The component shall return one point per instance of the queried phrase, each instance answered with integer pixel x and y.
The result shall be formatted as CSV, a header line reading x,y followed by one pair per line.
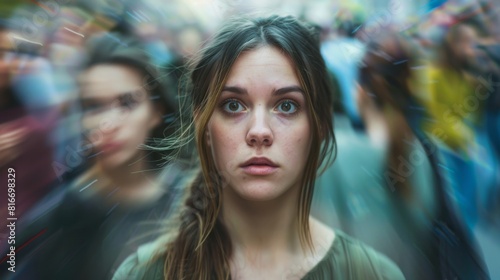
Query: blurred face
x,y
259,133
117,113
464,44
5,65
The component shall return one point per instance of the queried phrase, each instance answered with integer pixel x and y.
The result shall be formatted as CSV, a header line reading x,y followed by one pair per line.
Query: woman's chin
x,y
112,160
259,192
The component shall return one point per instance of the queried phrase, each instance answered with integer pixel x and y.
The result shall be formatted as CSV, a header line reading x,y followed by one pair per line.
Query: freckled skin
x,y
262,126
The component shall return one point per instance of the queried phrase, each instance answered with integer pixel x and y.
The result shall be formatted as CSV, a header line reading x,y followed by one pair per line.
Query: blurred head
x,y
350,20
386,72
188,40
124,102
457,49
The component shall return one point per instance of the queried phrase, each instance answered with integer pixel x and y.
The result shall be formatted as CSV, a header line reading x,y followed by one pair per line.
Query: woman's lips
x,y
259,170
110,147
259,166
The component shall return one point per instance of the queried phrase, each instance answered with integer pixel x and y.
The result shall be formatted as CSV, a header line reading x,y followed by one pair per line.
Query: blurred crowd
x,y
89,93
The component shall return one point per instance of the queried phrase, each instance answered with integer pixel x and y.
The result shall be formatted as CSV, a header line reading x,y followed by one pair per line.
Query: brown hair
x,y
387,75
202,248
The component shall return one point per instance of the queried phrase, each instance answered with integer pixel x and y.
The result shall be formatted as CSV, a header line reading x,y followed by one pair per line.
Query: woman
x,y
125,104
263,126
434,241
95,221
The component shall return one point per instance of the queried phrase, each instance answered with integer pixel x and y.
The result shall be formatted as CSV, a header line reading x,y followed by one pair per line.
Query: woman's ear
x,y
207,137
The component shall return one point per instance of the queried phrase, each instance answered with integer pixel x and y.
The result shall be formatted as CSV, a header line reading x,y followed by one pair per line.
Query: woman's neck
x,y
264,235
262,225
129,183
126,175
265,238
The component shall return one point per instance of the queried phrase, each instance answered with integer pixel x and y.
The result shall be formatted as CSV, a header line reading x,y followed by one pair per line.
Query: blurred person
x,y
150,27
492,123
450,83
87,227
342,55
151,32
72,26
68,38
262,108
416,199
28,113
434,24
456,108
487,71
490,10
33,27
480,14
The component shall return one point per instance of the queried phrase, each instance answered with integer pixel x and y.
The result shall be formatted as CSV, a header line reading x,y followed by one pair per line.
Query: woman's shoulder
x,y
349,258
366,260
142,264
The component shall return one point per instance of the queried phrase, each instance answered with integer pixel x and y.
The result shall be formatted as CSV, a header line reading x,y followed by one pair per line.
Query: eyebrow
x,y
93,99
285,90
124,94
280,91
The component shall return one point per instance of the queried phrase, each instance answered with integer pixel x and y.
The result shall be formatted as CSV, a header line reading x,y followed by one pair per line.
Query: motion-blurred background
x,y
85,86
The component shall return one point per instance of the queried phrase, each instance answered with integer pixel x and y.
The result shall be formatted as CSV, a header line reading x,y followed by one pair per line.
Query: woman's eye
x,y
91,108
287,107
233,106
127,101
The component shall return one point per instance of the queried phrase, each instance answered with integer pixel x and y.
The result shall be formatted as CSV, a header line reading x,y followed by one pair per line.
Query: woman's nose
x,y
259,131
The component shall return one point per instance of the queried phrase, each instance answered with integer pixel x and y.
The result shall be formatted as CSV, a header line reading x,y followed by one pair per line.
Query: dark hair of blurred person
x,y
127,190
422,213
390,85
347,28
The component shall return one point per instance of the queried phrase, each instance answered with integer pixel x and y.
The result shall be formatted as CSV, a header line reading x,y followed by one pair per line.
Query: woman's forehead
x,y
262,65
109,80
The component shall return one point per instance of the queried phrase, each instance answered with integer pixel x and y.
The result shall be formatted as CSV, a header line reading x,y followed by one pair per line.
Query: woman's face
x,y
463,44
259,133
117,113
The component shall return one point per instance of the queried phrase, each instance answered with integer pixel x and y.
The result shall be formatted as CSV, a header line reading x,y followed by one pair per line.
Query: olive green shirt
x,y
347,258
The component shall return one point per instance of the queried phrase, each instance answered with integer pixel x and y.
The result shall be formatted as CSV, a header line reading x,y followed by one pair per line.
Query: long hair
x,y
202,249
387,74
